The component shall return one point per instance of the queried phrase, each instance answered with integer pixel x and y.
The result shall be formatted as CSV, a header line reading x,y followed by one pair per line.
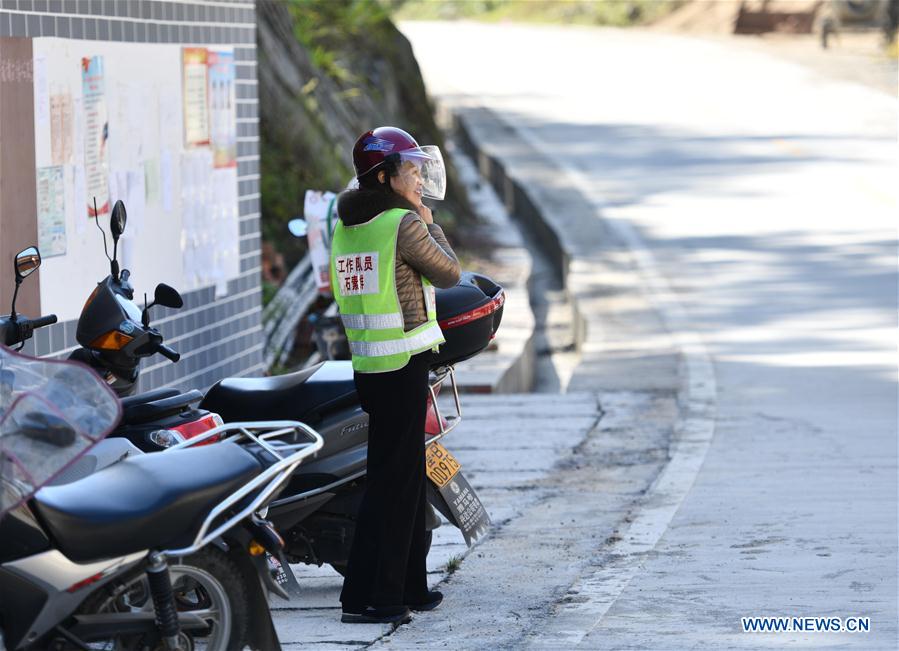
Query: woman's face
x,y
407,183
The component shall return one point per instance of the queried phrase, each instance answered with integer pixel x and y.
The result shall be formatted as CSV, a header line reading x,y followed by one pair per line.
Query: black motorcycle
x,y
152,552
316,513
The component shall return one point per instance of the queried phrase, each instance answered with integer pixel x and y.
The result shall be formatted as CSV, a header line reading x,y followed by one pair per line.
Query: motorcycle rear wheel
x,y
207,584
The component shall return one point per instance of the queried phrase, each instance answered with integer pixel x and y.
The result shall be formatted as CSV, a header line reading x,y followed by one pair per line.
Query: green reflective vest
x,y
363,279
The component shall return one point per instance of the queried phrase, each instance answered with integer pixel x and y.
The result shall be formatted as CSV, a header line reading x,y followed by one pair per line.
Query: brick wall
x,y
217,337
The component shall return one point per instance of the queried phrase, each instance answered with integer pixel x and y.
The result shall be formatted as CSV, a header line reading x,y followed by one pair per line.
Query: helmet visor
x,y
428,162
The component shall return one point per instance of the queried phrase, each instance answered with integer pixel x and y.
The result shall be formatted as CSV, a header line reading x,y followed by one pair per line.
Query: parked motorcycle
x,y
115,335
135,553
317,511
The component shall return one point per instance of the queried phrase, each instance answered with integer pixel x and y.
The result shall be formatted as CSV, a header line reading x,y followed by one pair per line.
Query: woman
x,y
387,255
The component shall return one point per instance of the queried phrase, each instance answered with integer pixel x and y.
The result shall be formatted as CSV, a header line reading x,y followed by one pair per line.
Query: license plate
x,y
440,465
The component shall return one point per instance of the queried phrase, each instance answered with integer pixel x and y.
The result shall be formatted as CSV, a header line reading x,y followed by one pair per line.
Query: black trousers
x,y
387,564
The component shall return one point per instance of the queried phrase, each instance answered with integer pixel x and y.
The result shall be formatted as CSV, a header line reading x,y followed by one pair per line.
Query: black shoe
x,y
430,601
376,615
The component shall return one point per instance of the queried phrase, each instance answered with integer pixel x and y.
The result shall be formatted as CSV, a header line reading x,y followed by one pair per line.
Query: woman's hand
x,y
425,213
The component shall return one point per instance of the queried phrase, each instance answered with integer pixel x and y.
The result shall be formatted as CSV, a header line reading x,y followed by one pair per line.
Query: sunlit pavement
x,y
765,193
505,444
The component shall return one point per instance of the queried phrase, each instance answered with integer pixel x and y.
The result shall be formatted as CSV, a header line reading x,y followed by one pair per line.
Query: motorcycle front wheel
x,y
207,584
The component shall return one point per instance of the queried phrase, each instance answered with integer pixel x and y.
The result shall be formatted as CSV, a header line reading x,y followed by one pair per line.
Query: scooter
x,y
115,335
134,553
317,511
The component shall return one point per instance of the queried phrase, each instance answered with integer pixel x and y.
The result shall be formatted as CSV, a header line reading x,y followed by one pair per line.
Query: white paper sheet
x,y
72,214
166,182
78,131
41,93
151,181
80,193
136,201
118,188
170,118
210,240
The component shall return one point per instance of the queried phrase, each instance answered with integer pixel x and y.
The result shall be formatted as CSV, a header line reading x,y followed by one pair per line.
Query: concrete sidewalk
x,y
506,445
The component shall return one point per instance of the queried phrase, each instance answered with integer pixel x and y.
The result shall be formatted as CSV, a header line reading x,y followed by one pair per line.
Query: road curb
x,y
518,202
509,367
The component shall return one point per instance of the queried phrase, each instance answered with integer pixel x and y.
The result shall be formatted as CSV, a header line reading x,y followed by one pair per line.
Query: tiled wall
x,y
217,337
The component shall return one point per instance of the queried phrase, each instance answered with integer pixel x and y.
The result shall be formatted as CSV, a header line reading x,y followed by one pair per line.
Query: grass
x,y
453,563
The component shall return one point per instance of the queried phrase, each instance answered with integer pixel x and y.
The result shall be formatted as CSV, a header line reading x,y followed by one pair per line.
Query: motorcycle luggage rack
x,y
441,374
288,456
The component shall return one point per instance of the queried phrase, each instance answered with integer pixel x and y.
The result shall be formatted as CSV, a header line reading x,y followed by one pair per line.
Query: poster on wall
x,y
195,75
96,135
222,108
51,211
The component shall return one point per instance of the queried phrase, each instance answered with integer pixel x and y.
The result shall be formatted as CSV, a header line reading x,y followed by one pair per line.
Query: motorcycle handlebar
x,y
169,353
16,332
40,322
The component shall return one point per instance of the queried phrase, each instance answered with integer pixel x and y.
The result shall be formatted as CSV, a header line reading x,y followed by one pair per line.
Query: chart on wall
x,y
96,136
223,117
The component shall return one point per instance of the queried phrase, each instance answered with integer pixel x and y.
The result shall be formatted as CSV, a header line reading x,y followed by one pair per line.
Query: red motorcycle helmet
x,y
389,144
373,147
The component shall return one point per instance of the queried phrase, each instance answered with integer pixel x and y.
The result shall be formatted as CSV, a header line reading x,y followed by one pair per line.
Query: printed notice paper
x,y
51,211
222,111
60,128
196,102
96,135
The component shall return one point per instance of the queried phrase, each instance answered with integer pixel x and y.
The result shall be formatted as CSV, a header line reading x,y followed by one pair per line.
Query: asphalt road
x,y
764,194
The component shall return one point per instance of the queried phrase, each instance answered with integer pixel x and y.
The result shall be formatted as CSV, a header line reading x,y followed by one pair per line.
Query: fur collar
x,y
356,207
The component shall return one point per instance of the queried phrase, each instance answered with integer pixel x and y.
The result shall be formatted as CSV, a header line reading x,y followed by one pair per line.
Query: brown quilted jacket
x,y
421,250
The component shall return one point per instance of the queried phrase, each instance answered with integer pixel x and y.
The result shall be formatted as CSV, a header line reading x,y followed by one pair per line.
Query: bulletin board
x,y
134,122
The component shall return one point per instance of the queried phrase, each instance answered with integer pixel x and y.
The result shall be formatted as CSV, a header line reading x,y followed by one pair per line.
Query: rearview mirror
x,y
167,296
297,227
117,219
164,295
27,261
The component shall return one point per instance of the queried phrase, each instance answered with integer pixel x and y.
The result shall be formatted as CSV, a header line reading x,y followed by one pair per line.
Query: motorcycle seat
x,y
148,396
156,407
305,395
149,501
